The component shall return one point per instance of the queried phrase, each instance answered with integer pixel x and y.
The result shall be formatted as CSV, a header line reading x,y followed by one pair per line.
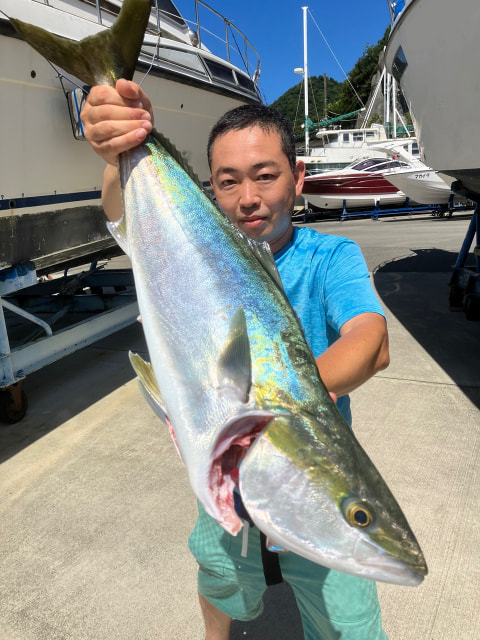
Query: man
x,y
255,177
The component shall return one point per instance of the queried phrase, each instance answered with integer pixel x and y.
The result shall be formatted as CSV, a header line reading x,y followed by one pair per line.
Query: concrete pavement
x,y
95,508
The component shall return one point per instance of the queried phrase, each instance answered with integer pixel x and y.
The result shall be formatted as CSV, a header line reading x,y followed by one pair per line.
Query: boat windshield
x,y
369,164
377,164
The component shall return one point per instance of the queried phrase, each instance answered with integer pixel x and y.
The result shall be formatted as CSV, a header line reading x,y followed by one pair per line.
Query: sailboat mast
x,y
305,76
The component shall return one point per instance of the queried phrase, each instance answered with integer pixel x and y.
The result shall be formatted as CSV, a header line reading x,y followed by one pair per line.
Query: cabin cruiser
x,y
50,180
335,149
362,184
436,69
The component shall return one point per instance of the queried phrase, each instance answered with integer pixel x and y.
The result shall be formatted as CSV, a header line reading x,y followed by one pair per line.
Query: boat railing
x,y
209,30
236,44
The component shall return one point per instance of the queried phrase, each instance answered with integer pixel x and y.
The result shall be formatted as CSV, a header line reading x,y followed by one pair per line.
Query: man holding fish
x,y
239,342
255,178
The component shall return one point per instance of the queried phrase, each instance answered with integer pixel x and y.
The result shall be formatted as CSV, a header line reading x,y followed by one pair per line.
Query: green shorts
x,y
332,604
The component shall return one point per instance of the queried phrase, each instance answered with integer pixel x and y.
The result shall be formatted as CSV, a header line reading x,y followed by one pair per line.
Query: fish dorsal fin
x,y
263,253
101,58
148,384
234,366
177,155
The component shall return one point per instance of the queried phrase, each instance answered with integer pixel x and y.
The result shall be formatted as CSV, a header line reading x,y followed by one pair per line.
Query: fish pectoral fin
x,y
151,392
118,231
234,366
148,385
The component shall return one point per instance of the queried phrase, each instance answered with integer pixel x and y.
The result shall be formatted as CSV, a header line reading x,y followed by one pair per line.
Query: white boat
x,y
420,183
361,185
50,180
424,185
335,149
433,52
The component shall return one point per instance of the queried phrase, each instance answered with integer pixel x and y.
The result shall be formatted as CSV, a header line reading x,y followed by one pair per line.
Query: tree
x,y
290,104
360,78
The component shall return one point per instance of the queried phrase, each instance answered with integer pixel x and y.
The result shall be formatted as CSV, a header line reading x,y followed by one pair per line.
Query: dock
x,y
96,509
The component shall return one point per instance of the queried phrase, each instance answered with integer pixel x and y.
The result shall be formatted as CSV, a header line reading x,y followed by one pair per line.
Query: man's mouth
x,y
252,222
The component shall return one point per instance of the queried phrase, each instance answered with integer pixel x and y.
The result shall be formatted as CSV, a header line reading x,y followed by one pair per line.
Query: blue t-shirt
x,y
327,282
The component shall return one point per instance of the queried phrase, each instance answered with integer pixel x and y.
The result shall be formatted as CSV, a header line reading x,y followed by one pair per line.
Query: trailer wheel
x,y
471,306
11,411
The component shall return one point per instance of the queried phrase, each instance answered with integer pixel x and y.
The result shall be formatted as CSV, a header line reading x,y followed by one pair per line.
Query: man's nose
x,y
249,194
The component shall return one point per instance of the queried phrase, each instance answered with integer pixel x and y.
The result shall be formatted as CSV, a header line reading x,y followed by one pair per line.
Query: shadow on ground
x,y
81,379
415,289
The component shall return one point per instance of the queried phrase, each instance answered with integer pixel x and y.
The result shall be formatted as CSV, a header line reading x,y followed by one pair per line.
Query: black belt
x,y
270,560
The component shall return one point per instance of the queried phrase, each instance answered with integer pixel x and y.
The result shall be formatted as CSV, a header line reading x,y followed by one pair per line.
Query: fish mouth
x,y
394,570
235,439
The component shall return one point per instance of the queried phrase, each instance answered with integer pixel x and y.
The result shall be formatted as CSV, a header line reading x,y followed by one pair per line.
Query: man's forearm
x,y
356,356
112,193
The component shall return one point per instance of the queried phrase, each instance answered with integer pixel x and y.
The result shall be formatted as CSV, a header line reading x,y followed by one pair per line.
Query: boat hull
x,y
356,191
439,83
424,186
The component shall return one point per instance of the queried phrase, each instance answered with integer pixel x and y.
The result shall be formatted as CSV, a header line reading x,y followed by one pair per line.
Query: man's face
x,y
254,184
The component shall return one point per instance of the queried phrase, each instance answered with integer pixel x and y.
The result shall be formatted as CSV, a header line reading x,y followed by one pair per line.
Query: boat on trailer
x,y
361,185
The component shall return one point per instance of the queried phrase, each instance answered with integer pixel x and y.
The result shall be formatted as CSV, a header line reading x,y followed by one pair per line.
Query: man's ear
x,y
299,175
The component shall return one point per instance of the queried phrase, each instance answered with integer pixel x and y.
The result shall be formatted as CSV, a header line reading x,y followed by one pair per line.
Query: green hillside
x,y
341,98
291,103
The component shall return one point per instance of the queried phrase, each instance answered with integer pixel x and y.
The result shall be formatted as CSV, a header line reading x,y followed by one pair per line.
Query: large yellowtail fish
x,y
229,362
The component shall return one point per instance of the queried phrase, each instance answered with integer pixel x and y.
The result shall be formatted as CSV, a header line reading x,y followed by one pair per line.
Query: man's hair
x,y
255,115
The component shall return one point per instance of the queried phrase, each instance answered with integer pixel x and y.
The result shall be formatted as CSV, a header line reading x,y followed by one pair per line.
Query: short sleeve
x,y
347,290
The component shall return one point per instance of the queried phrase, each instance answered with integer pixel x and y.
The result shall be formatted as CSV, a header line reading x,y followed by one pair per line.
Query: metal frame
x,y
120,310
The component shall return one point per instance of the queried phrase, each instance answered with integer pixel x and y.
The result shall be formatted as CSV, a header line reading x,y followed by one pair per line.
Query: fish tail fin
x,y
98,59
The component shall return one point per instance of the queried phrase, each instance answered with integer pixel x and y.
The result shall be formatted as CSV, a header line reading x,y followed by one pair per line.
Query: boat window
x,y
244,81
175,56
171,10
105,5
415,149
399,64
370,134
220,71
333,137
346,137
358,137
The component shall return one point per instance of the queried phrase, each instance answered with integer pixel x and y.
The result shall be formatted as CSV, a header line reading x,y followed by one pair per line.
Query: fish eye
x,y
358,515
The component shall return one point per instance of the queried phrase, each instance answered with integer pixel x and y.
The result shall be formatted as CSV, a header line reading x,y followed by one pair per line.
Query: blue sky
x,y
275,28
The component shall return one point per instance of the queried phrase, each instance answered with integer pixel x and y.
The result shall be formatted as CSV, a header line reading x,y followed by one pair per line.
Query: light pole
x,y
304,72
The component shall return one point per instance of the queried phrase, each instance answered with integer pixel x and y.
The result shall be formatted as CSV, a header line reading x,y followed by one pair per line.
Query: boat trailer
x,y
43,319
465,281
439,210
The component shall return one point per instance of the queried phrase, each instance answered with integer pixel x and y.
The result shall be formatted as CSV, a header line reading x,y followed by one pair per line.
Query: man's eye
x,y
227,183
266,176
